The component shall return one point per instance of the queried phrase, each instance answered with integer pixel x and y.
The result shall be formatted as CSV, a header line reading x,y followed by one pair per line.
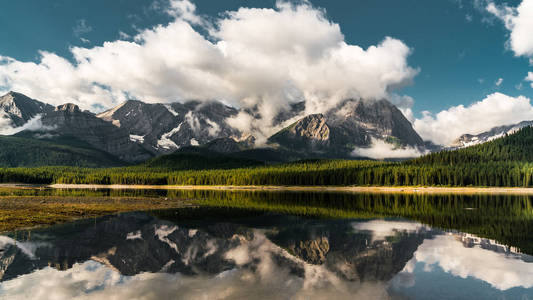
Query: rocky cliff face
x,y
19,109
69,120
373,119
467,140
163,128
354,123
136,130
134,243
311,133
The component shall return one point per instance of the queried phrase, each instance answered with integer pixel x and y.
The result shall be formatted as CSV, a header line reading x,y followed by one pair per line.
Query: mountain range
x,y
134,131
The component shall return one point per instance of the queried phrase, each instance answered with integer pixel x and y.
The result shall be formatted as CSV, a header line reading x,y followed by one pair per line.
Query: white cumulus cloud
x,y
529,78
519,21
252,57
497,269
495,110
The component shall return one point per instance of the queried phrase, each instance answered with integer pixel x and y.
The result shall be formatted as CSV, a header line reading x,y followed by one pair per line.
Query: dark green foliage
x,y
517,147
196,158
20,152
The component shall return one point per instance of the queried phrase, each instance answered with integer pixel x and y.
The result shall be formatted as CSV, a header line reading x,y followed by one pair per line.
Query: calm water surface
x,y
279,245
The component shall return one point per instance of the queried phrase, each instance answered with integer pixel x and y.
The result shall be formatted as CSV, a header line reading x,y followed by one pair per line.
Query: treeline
x,y
516,147
505,218
333,172
507,161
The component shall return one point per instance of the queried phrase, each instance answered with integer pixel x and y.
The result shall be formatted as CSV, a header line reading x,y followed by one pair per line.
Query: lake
x,y
280,245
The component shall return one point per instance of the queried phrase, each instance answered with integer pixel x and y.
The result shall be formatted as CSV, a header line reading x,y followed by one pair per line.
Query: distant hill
x,y
467,140
514,147
19,151
197,158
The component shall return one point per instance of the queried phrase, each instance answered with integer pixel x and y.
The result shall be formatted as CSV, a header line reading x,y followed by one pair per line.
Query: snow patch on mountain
x,y
165,142
171,110
162,233
137,138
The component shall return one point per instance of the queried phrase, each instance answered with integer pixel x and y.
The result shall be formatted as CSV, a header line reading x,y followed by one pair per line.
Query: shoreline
x,y
348,189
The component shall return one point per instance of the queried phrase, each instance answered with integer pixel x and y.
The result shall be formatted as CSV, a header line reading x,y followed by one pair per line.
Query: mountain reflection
x,y
244,255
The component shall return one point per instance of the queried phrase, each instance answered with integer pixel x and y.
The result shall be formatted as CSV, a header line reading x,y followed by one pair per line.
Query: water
x,y
279,245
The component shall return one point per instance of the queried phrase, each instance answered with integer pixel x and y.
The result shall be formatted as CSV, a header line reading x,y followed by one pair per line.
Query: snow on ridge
x,y
137,138
134,235
171,110
165,142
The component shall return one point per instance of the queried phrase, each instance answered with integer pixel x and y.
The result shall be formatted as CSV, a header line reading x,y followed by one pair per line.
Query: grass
x,y
32,211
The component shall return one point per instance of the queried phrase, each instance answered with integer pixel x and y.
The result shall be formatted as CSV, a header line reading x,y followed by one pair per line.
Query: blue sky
x,y
453,52
460,49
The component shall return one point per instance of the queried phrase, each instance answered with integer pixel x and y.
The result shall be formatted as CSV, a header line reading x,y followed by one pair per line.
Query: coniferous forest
x,y
506,161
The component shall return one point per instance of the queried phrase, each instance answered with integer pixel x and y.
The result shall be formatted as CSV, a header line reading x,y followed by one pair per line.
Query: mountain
x,y
18,109
68,120
193,242
18,151
163,128
136,131
467,140
353,123
310,133
516,147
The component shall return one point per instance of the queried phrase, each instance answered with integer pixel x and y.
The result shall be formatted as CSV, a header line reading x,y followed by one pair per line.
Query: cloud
x,y
260,269
380,150
497,269
529,78
262,58
495,110
382,229
81,28
34,124
519,21
499,82
185,10
124,36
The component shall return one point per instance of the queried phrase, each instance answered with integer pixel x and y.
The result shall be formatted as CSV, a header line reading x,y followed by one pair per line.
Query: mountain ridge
x,y
135,131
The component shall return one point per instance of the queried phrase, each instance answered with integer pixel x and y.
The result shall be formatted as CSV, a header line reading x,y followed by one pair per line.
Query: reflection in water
x,y
220,253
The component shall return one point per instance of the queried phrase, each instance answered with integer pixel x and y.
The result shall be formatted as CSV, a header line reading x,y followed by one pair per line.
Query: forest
x,y
507,161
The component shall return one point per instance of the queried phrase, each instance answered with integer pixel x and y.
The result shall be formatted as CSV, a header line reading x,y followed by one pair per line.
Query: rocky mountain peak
x,y
19,108
68,107
313,127
311,133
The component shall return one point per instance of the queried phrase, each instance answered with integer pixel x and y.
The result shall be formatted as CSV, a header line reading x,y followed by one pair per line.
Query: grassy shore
x,y
18,212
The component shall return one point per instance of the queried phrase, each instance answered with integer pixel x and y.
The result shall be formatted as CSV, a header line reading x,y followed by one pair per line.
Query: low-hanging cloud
x,y
33,124
495,110
380,149
252,57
